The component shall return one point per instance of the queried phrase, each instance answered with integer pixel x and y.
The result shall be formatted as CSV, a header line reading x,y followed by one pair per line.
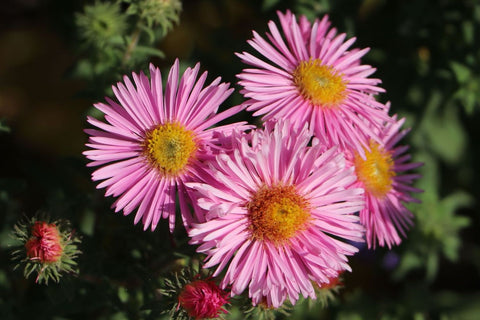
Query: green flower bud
x,y
102,24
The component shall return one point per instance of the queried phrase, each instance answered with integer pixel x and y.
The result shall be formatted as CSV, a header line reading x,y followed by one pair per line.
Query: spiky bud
x,y
202,299
101,24
162,13
46,249
193,295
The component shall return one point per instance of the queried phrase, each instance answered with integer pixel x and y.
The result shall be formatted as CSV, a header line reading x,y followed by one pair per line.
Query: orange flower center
x,y
376,171
320,84
277,213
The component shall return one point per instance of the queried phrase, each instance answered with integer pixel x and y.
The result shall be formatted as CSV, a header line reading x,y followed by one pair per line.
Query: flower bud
x,y
47,249
45,243
203,299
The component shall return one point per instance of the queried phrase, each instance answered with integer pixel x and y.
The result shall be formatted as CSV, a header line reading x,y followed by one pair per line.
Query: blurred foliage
x,y
116,36
57,58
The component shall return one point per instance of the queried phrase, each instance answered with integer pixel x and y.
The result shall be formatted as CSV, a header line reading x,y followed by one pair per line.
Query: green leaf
x,y
269,4
457,200
149,51
123,294
432,266
149,31
409,261
468,32
446,134
462,72
4,127
87,224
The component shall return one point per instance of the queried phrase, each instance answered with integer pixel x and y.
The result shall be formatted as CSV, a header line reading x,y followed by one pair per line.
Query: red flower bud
x,y
203,299
45,243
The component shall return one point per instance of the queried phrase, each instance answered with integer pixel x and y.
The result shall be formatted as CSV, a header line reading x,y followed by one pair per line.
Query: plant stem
x,y
131,46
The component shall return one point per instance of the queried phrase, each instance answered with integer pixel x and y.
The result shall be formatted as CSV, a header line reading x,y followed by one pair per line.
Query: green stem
x,y
131,46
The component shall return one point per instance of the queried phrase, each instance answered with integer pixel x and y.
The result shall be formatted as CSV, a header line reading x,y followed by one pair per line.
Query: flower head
x,y
386,187
152,142
309,76
47,248
279,212
203,299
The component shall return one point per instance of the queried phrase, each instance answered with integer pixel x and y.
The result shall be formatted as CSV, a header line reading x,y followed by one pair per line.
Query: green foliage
x,y
3,127
163,13
268,4
102,24
441,131
119,36
263,312
313,8
438,227
468,93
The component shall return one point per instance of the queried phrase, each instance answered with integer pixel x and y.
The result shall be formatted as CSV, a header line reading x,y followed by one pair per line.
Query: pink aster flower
x,y
308,75
280,215
387,187
152,142
203,299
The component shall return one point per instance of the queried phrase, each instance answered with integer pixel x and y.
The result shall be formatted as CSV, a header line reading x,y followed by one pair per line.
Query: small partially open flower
x,y
203,299
327,293
193,294
334,282
47,249
45,243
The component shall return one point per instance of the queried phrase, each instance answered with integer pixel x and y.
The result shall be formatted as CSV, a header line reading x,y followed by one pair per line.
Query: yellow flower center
x,y
277,213
320,84
376,171
169,147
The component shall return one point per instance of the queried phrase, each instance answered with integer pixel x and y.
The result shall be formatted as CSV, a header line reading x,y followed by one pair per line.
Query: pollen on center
x,y
169,148
277,213
322,85
376,170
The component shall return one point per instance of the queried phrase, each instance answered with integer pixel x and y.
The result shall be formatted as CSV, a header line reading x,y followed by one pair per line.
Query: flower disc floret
x,y
170,147
277,213
376,171
322,85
